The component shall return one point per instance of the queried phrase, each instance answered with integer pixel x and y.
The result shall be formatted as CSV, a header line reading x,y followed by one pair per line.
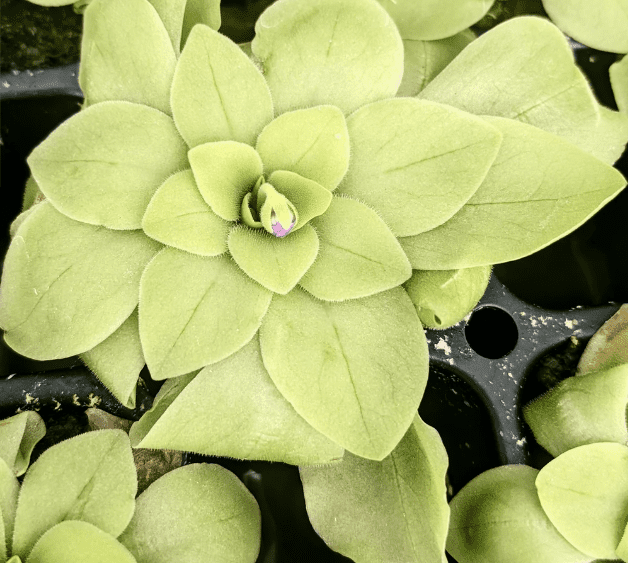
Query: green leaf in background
x,y
9,490
417,162
32,194
435,19
195,311
76,541
206,12
619,81
178,216
217,92
497,518
19,434
50,257
120,63
602,25
394,510
443,298
423,60
581,410
355,370
622,548
584,492
358,255
90,477
238,388
171,14
608,140
609,345
197,513
104,164
342,52
118,360
539,189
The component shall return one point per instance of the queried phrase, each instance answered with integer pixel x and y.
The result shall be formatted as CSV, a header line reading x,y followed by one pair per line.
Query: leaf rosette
x,y
242,219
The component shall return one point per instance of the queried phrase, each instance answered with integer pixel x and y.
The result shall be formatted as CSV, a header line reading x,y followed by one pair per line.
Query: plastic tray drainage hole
x,y
491,332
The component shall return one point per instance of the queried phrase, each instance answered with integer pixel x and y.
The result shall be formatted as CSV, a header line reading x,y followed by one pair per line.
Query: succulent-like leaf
x,y
118,63
217,92
196,513
348,502
196,311
206,12
609,345
539,189
619,81
497,517
355,370
118,360
90,477
417,162
237,388
178,216
19,434
341,52
311,142
584,492
9,490
44,314
104,164
358,255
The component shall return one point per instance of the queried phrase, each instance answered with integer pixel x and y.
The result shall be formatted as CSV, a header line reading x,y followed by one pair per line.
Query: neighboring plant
x,y
77,503
619,81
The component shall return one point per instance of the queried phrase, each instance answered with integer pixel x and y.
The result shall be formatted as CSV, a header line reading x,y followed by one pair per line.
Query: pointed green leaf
x,y
126,54
206,12
178,216
584,492
246,420
225,172
66,286
308,197
197,513
196,311
539,189
276,263
417,162
348,501
619,81
355,371
506,62
358,255
311,142
104,164
78,541
19,434
171,14
608,347
118,360
217,92
9,490
497,517
90,477
342,52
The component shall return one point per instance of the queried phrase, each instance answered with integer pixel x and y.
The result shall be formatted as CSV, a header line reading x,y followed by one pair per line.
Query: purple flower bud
x,y
278,229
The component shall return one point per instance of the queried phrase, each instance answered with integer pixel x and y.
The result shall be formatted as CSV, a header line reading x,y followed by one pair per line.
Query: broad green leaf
x,y
206,12
196,311
118,360
506,62
358,255
171,14
197,513
276,263
435,19
311,142
602,25
341,52
619,81
19,434
609,345
242,415
90,477
225,172
539,189
126,54
178,216
217,92
104,164
443,298
417,162
584,492
66,286
497,518
349,502
581,410
9,490
76,541
423,60
355,371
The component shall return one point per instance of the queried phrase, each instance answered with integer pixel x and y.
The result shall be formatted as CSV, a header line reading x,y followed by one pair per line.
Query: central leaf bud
x,y
264,207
